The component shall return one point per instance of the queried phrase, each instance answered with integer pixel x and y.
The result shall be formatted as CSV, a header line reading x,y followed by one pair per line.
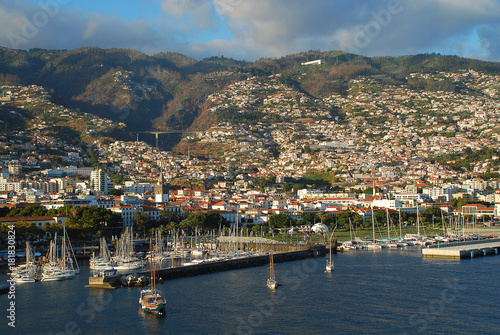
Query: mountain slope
x,y
169,91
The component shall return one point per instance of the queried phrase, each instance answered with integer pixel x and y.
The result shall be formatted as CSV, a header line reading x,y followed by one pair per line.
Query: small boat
x,y
271,281
329,262
127,265
25,273
197,252
103,261
54,275
152,299
103,279
23,278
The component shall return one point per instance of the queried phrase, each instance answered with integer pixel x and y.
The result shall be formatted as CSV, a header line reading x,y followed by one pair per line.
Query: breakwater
x,y
237,263
464,250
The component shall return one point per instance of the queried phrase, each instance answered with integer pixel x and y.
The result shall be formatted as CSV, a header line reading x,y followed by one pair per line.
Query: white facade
x,y
99,181
127,213
314,62
386,203
307,192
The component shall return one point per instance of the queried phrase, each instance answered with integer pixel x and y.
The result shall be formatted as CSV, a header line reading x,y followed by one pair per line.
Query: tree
x,y
325,219
205,220
457,203
430,212
279,221
27,231
256,229
115,192
369,190
142,222
307,218
167,216
343,218
33,210
381,217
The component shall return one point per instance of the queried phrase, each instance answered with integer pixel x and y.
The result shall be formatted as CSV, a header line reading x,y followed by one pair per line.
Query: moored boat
x,y
25,273
271,281
152,299
329,262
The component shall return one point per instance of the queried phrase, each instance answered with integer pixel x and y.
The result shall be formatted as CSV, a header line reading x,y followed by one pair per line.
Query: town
x,y
383,149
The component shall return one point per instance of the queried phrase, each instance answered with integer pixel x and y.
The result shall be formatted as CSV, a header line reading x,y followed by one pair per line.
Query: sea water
x,y
369,292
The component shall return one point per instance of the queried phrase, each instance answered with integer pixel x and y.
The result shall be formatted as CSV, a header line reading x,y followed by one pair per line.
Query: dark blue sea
x,y
369,292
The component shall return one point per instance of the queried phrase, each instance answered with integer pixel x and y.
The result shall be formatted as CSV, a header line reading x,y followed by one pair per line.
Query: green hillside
x,y
168,91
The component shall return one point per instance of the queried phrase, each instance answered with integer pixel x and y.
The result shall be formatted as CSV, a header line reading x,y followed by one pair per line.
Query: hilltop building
x,y
313,62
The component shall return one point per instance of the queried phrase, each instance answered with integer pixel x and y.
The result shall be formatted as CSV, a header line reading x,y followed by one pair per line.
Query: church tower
x,y
161,190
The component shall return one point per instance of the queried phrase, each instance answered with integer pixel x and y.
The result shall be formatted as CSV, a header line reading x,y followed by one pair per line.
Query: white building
x,y
99,181
127,213
313,62
387,203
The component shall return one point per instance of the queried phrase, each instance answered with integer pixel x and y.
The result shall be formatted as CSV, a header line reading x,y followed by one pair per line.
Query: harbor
x,y
463,250
205,267
238,263
361,291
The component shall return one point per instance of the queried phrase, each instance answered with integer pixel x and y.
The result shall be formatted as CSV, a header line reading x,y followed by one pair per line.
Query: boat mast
x,y
400,232
63,256
388,225
271,265
350,229
373,224
418,221
373,217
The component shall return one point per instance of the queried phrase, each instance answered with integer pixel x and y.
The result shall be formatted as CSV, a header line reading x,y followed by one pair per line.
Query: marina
x,y
390,291
463,250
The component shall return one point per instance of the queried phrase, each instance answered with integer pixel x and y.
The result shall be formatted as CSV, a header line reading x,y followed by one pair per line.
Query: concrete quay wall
x,y
237,263
464,250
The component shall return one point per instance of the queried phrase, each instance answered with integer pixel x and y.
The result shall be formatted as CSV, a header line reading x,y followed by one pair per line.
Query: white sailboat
x,y
329,263
103,261
66,266
124,261
271,281
159,252
68,256
25,273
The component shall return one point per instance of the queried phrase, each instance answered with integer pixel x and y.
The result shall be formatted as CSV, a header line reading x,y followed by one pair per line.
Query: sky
x,y
253,29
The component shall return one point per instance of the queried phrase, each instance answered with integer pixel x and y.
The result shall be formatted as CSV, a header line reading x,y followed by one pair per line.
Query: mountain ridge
x,y
168,91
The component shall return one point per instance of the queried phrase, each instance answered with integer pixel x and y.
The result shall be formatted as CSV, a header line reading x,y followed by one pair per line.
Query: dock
x,y
463,250
236,263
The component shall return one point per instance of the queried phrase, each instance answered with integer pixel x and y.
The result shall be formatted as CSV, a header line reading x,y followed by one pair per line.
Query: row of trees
x,y
344,220
87,223
198,221
82,224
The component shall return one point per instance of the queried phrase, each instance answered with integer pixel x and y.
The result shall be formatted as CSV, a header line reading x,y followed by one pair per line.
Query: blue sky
x,y
251,29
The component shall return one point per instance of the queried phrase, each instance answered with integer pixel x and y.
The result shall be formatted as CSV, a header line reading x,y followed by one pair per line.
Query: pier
x,y
463,250
237,263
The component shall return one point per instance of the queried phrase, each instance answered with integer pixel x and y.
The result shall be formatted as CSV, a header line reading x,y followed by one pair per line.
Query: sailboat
x,y
271,281
25,273
124,261
152,299
159,250
60,268
103,261
329,262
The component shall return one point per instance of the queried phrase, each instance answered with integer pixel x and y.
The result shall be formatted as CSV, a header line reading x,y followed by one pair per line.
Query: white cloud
x,y
199,14
269,28
27,26
370,27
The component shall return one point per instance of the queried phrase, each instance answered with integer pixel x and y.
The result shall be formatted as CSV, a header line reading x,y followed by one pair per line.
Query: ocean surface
x,y
369,292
